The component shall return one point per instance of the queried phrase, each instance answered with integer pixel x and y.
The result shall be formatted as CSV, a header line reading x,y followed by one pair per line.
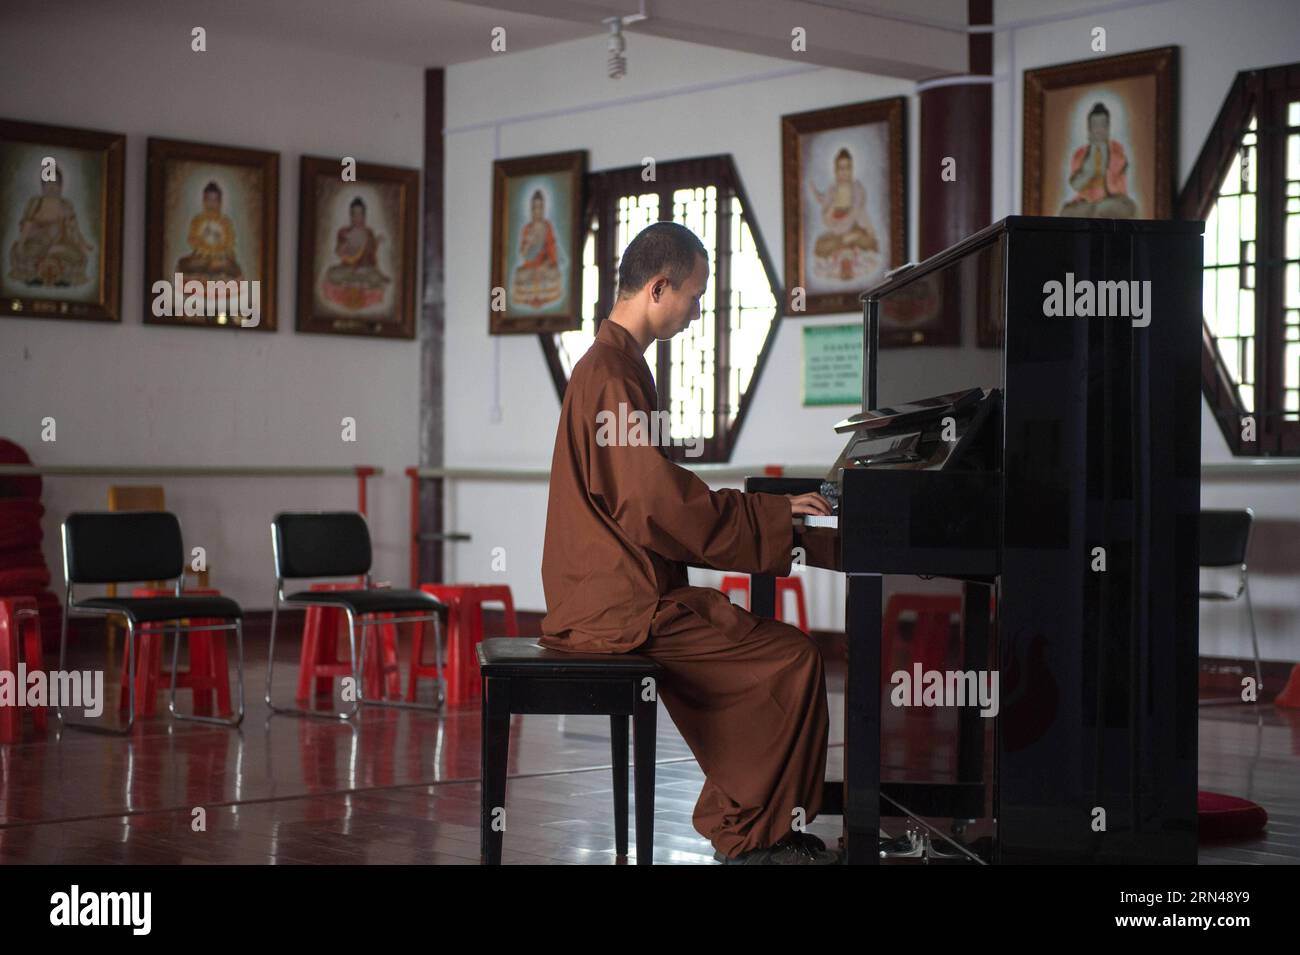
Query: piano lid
x,y
988,234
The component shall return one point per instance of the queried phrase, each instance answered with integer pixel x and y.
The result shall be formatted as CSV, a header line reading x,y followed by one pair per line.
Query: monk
x,y
623,522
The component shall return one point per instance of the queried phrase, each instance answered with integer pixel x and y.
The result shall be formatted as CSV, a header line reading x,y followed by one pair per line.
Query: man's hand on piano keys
x,y
811,503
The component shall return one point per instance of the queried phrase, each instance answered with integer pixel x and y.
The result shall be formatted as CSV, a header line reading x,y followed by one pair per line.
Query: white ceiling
x,y
416,32
905,38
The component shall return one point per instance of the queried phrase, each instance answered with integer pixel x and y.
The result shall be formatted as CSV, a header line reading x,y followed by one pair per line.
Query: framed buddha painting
x,y
1099,137
60,222
537,236
845,203
211,228
357,248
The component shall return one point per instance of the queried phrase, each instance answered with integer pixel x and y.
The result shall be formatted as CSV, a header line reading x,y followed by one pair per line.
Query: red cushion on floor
x,y
1228,817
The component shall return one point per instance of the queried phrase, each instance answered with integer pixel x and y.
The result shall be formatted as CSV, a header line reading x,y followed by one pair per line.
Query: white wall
x,y
130,394
675,120
1216,40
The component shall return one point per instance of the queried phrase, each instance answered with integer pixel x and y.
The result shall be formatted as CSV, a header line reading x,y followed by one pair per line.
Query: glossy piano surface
x,y
1082,510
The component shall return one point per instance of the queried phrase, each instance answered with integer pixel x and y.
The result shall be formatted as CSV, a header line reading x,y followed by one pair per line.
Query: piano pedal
x,y
943,851
935,850
916,844
910,845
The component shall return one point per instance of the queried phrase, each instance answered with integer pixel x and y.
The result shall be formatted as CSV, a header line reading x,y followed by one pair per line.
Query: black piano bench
x,y
519,676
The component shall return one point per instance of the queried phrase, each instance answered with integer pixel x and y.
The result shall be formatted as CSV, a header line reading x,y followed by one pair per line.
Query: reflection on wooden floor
x,y
401,786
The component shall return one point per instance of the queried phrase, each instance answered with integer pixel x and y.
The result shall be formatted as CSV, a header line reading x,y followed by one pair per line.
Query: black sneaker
x,y
798,848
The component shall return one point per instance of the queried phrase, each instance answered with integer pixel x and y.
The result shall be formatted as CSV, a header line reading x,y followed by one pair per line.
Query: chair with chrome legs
x,y
337,544
125,546
1224,540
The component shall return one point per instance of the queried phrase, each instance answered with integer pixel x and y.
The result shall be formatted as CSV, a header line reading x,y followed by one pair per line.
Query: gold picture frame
x,y
1130,102
537,239
61,221
828,156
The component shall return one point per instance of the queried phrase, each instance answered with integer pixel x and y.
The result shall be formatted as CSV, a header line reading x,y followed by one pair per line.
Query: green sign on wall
x,y
832,364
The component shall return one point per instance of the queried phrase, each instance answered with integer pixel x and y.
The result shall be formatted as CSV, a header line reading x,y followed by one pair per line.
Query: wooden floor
x,y
401,786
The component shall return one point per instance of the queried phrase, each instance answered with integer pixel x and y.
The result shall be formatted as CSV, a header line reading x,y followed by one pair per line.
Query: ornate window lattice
x,y
1231,250
705,374
1246,185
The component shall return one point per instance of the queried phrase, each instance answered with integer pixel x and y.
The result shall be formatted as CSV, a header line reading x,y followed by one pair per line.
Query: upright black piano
x,y
1049,464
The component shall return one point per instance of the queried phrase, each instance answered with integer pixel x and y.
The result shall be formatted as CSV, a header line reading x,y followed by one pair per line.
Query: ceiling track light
x,y
616,62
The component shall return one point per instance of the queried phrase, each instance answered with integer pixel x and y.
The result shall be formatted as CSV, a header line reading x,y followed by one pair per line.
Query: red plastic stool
x,y
20,641
208,673
1290,695
464,633
784,585
320,660
930,634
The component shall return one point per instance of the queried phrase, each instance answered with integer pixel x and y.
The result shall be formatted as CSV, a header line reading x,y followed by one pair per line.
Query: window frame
x,y
1263,94
603,190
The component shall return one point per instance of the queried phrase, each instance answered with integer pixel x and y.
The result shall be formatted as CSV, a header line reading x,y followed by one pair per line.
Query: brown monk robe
x,y
748,694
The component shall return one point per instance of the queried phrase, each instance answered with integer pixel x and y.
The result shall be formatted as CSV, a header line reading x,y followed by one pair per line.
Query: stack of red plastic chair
x,y
321,660
20,645
784,585
23,571
464,633
1290,695
209,672
930,636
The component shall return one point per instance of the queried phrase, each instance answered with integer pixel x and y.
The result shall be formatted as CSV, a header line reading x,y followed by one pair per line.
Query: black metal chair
x,y
1224,540
337,544
125,546
519,676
